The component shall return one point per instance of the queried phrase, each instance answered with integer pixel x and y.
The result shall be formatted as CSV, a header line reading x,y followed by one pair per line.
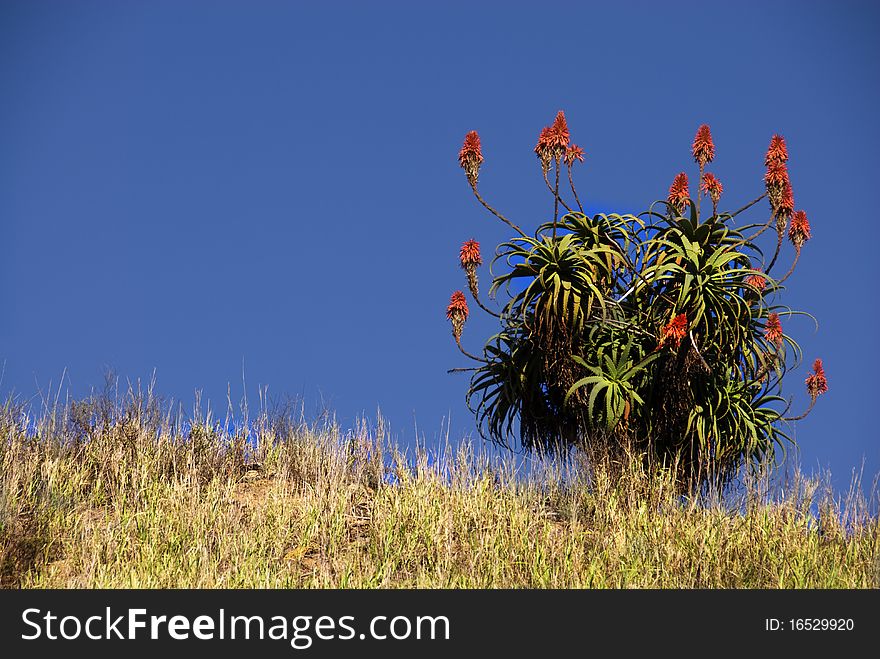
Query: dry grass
x,y
108,496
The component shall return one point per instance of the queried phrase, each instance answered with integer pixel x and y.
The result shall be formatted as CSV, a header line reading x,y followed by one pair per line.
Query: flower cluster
x,y
777,151
679,194
470,260
757,282
799,232
457,313
674,331
703,148
777,182
817,383
776,178
773,330
471,156
572,153
785,208
712,187
553,142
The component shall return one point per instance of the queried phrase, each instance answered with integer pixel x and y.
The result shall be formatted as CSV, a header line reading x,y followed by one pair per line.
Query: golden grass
x,y
131,500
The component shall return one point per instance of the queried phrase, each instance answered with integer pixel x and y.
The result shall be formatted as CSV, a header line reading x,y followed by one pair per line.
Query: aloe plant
x,y
659,329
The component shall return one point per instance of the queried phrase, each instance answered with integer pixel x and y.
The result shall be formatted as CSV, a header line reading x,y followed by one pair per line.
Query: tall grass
x,y
110,494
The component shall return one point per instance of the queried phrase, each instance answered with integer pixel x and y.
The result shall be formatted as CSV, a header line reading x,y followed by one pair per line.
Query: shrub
x,y
661,329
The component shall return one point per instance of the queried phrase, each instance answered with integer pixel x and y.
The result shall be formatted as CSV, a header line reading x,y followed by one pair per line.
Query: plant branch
x,y
484,307
755,235
496,213
556,199
775,255
798,418
573,191
793,264
559,199
699,195
467,354
747,206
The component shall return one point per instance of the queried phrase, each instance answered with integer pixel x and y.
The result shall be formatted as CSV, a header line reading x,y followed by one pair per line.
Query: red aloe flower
x,y
712,186
470,259
544,148
816,382
756,281
470,254
777,175
544,139
777,152
457,312
560,137
553,141
674,331
776,180
773,330
679,195
786,206
799,232
471,156
703,148
572,153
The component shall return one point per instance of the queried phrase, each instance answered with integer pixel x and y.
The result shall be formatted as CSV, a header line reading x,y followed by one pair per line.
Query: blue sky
x,y
190,187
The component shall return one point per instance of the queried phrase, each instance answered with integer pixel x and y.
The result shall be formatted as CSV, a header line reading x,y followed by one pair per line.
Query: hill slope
x,y
95,496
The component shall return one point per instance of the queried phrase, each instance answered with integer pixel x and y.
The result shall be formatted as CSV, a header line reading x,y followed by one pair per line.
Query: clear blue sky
x,y
190,186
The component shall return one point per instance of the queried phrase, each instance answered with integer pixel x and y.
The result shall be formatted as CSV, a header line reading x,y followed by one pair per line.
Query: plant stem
x,y
798,418
748,206
699,183
797,255
573,191
496,213
775,255
467,354
755,235
481,305
556,199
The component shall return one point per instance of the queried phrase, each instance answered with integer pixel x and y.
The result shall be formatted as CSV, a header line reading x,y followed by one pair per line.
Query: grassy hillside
x,y
100,495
